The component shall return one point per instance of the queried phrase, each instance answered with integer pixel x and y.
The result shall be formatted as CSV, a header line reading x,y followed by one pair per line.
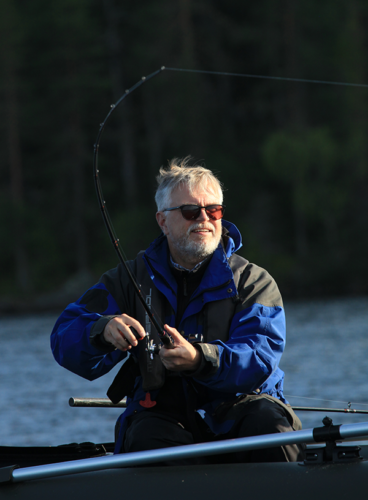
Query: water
x,y
325,358
35,390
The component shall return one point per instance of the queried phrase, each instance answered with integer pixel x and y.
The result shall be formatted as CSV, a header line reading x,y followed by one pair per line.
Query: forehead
x,y
200,195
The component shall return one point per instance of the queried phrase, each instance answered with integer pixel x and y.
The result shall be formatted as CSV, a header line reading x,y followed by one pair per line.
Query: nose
x,y
203,215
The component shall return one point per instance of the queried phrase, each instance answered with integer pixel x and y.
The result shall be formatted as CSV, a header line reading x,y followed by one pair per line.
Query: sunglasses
x,y
192,212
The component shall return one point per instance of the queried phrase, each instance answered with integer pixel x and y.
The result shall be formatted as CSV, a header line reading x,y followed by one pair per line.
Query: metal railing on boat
x,y
180,452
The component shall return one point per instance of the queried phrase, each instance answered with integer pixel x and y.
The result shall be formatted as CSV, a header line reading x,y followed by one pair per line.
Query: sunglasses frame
x,y
199,210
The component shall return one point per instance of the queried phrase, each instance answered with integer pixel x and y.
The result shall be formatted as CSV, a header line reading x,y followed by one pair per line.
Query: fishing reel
x,y
153,348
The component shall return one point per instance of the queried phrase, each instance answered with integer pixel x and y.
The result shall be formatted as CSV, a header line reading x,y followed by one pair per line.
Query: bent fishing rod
x,y
164,337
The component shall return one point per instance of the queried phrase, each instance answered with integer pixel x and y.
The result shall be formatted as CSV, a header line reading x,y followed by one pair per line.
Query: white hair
x,y
181,173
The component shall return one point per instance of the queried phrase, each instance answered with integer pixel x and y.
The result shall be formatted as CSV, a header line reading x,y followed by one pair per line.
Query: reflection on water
x,y
325,358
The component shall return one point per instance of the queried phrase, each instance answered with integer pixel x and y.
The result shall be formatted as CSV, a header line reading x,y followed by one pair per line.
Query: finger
x,y
118,338
168,353
168,357
124,326
115,339
173,332
119,333
132,322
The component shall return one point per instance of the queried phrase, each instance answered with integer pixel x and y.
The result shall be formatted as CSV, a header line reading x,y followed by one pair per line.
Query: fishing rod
x,y
106,403
163,335
331,410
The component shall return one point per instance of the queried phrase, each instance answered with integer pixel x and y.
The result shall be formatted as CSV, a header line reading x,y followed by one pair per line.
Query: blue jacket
x,y
246,360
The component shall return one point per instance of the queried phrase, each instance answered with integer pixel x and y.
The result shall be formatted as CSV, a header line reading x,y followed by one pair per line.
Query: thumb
x,y
173,332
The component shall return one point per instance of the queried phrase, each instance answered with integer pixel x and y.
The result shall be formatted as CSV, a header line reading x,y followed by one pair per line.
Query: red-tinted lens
x,y
215,212
192,212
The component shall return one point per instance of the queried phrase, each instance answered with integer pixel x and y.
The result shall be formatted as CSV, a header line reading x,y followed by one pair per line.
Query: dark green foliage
x,y
293,157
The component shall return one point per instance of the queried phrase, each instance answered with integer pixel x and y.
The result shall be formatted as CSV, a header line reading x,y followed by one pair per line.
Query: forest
x,y
293,156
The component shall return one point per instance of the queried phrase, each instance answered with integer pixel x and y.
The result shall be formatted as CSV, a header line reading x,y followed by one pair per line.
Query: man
x,y
221,378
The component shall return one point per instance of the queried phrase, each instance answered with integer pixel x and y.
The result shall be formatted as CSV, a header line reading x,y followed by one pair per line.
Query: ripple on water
x,y
325,356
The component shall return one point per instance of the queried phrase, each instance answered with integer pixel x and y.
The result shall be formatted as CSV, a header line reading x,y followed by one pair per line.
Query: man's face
x,y
191,241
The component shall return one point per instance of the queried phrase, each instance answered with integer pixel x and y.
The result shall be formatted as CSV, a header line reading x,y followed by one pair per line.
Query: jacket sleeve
x,y
84,319
249,359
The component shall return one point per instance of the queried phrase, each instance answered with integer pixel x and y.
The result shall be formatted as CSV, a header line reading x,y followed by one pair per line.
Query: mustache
x,y
200,225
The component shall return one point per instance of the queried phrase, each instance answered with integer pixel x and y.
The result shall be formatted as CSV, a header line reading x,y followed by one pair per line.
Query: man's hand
x,y
183,356
118,333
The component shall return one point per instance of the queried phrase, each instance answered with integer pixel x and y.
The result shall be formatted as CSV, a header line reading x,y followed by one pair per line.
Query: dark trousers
x,y
149,430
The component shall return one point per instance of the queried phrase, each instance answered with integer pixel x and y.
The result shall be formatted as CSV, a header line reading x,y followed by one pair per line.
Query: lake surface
x,y
325,364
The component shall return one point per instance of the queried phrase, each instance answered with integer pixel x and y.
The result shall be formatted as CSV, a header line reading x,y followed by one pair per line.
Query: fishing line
x,y
264,77
155,319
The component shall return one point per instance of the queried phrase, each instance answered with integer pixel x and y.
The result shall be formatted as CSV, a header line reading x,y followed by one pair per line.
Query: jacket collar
x,y
231,237
217,273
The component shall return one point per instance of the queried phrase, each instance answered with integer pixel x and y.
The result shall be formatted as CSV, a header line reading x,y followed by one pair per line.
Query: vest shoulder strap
x,y
219,314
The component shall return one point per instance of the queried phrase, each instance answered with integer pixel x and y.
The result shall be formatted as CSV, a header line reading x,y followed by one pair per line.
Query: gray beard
x,y
193,251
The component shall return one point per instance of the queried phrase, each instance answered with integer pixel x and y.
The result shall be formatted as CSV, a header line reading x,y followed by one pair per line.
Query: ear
x,y
161,221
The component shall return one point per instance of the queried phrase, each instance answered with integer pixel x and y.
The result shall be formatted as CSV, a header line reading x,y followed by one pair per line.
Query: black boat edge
x,y
342,473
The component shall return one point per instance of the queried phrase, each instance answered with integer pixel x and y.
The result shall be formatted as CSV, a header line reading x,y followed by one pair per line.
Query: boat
x,y
332,469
